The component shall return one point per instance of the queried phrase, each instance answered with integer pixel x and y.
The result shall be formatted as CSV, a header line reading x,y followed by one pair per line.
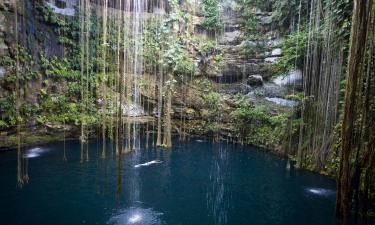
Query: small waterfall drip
x,y
219,196
22,162
121,72
137,72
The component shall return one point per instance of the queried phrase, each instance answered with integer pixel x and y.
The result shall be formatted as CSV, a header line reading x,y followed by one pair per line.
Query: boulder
x,y
255,80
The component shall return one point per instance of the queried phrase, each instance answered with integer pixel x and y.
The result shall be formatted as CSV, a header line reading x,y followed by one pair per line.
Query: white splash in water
x,y
135,215
34,152
148,163
320,191
135,218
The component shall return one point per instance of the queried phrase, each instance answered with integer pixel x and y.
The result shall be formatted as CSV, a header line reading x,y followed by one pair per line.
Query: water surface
x,y
195,183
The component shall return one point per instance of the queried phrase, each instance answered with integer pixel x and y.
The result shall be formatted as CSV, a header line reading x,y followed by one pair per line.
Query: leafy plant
x,y
211,11
294,50
255,126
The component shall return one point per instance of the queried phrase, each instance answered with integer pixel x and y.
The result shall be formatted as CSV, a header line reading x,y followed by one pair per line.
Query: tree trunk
x,y
360,22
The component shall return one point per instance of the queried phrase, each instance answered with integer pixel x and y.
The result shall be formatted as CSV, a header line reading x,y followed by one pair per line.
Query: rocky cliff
x,y
235,68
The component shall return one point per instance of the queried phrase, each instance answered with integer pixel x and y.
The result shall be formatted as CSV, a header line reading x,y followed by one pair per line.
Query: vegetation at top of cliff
x,y
288,13
211,12
250,21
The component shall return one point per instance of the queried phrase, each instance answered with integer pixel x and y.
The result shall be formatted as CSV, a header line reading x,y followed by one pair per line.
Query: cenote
x,y
195,182
122,112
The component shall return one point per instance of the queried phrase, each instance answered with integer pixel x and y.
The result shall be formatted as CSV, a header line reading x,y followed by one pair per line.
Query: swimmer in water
x,y
149,163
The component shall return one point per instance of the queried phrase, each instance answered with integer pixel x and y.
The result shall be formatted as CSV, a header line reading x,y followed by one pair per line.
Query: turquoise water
x,y
195,183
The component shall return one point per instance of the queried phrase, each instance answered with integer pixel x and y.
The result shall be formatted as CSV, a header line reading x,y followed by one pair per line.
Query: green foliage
x,y
341,12
287,11
211,12
58,68
251,47
66,29
7,111
60,109
219,57
212,114
152,43
212,99
176,59
205,47
294,51
26,71
45,14
250,20
251,44
263,5
256,126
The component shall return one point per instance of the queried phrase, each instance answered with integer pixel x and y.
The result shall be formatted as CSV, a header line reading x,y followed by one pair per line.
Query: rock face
x,y
63,7
241,57
255,80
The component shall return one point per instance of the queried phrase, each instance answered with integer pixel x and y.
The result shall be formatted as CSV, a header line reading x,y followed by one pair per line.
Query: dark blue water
x,y
197,183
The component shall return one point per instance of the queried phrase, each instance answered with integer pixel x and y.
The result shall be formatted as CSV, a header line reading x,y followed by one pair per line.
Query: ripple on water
x,y
136,216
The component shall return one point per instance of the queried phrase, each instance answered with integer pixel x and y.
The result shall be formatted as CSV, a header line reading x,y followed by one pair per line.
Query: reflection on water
x,y
218,194
136,216
193,183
